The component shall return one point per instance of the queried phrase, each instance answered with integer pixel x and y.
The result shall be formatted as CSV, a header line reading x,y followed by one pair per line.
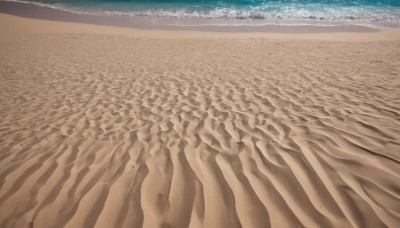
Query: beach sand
x,y
117,127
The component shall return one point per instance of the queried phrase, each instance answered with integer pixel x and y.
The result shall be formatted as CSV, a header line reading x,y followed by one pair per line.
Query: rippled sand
x,y
117,131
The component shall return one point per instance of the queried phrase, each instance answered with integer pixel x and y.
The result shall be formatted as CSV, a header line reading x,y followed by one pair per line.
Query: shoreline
x,y
11,25
33,11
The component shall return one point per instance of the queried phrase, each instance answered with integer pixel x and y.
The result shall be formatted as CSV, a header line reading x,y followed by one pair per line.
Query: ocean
x,y
372,13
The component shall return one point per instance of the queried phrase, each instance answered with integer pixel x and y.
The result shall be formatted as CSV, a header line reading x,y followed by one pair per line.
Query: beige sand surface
x,y
112,127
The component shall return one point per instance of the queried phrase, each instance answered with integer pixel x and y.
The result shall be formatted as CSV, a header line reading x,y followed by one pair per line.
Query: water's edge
x,y
29,10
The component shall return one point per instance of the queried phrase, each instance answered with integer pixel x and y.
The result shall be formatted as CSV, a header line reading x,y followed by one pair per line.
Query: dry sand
x,y
111,127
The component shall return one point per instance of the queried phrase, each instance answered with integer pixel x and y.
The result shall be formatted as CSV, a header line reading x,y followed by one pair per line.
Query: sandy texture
x,y
125,131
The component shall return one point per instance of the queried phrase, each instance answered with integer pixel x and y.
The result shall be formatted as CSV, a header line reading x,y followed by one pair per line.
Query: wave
x,y
252,15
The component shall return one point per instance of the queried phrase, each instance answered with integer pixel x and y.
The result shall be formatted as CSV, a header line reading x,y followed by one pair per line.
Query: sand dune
x,y
116,131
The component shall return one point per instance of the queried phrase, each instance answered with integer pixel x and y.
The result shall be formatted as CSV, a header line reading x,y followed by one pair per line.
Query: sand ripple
x,y
115,131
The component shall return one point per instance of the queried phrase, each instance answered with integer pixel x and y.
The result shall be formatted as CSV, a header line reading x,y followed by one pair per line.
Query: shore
x,y
105,126
150,23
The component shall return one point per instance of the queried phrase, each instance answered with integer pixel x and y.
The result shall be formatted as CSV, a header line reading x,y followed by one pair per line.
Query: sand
x,y
114,127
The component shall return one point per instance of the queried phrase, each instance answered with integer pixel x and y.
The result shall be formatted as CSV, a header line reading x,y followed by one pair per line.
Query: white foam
x,y
251,16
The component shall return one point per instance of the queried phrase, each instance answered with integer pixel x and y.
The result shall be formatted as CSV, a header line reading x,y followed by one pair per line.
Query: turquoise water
x,y
378,13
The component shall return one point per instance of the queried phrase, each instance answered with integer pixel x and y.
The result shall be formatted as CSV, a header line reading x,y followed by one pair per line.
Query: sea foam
x,y
385,13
